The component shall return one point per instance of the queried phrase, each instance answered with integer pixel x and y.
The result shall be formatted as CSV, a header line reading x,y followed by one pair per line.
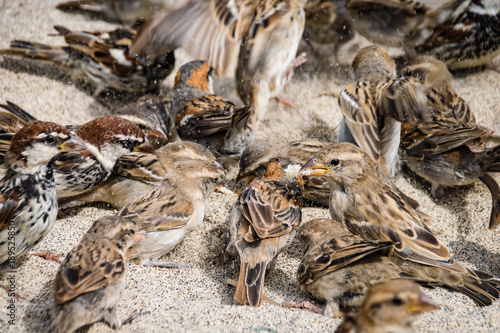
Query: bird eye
x,y
397,301
131,231
50,138
335,162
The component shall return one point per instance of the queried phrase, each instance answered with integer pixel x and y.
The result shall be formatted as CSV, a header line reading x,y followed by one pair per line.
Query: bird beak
x,y
157,137
313,168
423,304
74,143
145,147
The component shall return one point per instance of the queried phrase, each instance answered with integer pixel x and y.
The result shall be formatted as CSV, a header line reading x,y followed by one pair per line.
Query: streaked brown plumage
x,y
371,209
262,224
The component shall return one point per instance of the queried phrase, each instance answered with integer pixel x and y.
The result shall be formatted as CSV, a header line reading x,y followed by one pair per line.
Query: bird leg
x,y
304,305
299,60
47,255
283,101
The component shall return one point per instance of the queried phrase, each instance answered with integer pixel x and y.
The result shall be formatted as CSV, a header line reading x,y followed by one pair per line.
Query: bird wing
x,y
84,271
140,166
266,207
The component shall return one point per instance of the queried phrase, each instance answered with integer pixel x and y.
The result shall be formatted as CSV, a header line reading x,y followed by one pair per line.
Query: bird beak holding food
x,y
313,168
423,304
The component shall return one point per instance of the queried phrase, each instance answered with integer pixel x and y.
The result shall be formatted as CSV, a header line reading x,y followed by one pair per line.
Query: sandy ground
x,y
199,298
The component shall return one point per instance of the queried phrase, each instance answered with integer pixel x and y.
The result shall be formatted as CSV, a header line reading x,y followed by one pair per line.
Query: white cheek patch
x,y
39,153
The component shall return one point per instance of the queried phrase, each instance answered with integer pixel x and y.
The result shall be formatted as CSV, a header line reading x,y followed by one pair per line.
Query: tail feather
x,y
250,284
77,4
483,290
37,51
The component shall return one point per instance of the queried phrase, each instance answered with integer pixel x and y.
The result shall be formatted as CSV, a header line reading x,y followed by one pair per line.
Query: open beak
x,y
423,304
313,168
145,147
74,143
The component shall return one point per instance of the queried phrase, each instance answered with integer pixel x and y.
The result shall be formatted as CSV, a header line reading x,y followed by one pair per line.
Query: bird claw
x,y
287,102
134,315
298,61
304,305
47,255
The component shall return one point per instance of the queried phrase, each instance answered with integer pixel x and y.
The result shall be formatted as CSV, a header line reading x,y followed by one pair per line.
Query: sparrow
x,y
398,23
173,209
263,223
123,11
370,117
138,173
389,307
28,204
260,151
256,38
371,209
101,58
448,149
90,282
469,38
338,267
327,22
205,117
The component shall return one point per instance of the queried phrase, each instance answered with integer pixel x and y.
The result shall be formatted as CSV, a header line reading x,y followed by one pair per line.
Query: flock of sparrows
x,y
156,161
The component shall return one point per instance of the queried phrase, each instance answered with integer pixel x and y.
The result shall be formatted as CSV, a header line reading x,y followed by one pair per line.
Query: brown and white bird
x,y
258,38
123,11
373,210
449,148
371,120
389,307
28,203
205,117
101,58
91,280
469,38
138,173
260,151
338,267
262,224
170,211
398,23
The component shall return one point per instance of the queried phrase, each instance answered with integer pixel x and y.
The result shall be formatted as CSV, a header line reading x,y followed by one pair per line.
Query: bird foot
x,y
283,101
165,264
298,61
134,315
11,293
47,255
304,305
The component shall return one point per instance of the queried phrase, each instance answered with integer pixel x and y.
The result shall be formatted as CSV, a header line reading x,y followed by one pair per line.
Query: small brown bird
x,y
372,109
398,23
469,38
170,211
91,280
101,58
262,224
260,151
205,117
258,39
448,149
371,209
123,11
139,173
28,203
389,307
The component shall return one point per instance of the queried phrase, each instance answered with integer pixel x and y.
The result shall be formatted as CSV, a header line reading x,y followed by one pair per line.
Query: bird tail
x,y
481,287
250,284
36,51
93,5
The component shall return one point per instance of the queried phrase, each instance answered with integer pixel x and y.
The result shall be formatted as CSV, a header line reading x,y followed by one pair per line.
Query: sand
x,y
199,298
